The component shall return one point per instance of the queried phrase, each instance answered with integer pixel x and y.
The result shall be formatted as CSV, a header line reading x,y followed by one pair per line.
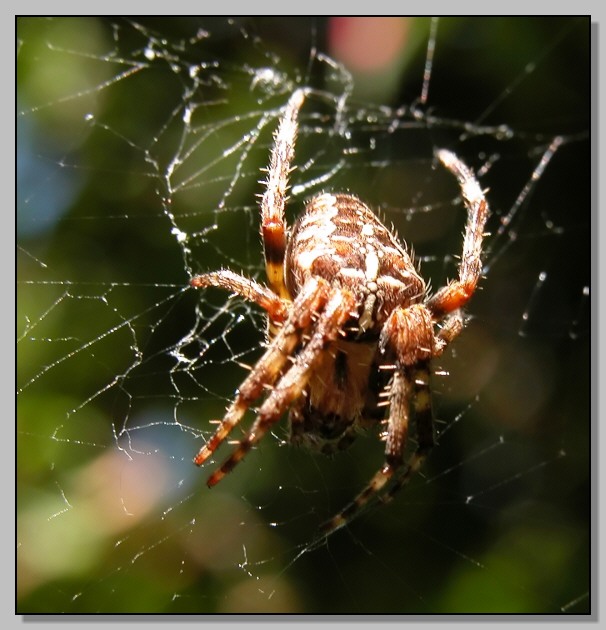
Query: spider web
x,y
140,144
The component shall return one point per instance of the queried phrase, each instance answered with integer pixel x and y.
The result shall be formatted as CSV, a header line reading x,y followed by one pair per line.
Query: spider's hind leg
x,y
456,294
273,200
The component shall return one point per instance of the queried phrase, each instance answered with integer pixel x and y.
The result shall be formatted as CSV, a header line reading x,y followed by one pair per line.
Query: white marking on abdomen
x,y
372,265
320,231
306,258
367,230
351,272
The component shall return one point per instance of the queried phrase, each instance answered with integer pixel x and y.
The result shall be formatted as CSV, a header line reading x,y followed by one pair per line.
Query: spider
x,y
350,323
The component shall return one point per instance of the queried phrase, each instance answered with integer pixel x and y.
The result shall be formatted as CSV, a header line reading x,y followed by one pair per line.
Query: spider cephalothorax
x,y
350,324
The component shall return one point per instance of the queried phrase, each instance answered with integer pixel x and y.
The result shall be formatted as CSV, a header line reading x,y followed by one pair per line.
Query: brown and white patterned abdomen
x,y
339,238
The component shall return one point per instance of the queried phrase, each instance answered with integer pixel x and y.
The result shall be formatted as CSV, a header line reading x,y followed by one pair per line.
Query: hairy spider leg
x,y
455,294
425,428
408,338
450,327
312,299
276,307
415,350
409,390
273,223
329,324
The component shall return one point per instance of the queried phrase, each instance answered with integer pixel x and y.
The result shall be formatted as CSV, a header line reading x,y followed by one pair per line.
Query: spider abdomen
x,y
340,239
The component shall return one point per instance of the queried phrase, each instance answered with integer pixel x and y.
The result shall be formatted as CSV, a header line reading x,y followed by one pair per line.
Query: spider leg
x,y
273,224
425,429
456,294
276,307
311,299
328,326
397,433
450,328
408,337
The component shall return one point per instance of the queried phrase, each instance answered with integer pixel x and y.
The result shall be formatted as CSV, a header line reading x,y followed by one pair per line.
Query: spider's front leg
x,y
408,339
310,301
338,309
397,433
425,428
